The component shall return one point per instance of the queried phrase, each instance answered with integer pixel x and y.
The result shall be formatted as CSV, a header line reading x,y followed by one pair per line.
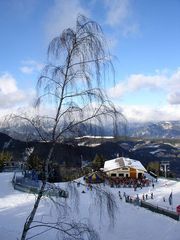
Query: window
x,y
121,175
113,174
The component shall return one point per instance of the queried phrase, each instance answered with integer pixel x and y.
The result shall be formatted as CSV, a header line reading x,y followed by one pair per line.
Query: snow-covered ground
x,y
131,222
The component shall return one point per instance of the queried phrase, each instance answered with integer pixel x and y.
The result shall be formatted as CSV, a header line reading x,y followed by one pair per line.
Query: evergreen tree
x,y
98,162
4,158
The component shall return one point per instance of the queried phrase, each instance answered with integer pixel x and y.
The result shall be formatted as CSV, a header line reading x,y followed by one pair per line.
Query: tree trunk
x,y
30,219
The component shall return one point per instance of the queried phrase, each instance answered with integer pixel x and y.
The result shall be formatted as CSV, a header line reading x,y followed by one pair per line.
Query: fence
x,y
153,208
173,179
11,169
25,185
160,210
31,186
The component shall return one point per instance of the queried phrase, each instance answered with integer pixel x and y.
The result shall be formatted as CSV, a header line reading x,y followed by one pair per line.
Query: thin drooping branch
x,y
73,230
104,200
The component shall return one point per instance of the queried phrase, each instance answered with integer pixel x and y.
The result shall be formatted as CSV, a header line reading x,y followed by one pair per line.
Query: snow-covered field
x,y
131,222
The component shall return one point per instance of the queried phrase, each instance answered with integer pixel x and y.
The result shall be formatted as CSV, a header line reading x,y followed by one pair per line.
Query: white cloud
x,y
31,66
147,113
174,98
7,84
26,69
175,80
120,14
10,95
161,80
136,82
63,15
118,11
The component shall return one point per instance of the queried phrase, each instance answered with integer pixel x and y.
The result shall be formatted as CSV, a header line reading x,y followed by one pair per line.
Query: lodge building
x,y
124,167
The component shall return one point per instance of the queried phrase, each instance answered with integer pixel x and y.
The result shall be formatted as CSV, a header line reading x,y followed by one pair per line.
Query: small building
x,y
124,167
95,177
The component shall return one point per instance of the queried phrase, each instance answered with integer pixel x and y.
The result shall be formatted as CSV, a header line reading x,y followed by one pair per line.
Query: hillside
x,y
72,153
131,222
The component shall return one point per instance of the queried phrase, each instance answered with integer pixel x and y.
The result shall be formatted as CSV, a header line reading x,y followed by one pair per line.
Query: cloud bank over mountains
x,y
11,96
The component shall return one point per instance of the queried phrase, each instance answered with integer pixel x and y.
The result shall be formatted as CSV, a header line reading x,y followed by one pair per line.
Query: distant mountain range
x,y
163,129
148,130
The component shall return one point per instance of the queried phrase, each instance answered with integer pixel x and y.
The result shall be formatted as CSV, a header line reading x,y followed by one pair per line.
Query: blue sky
x,y
143,35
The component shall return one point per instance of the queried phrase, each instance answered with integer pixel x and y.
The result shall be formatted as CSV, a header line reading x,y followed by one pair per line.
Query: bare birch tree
x,y
70,90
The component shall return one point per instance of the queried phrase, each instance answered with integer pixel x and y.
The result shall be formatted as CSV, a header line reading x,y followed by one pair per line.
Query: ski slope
x,y
131,222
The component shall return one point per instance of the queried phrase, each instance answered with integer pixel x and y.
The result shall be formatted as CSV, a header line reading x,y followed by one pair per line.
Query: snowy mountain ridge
x,y
164,129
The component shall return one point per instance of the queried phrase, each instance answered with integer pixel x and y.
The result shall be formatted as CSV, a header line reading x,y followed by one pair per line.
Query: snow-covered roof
x,y
122,162
95,137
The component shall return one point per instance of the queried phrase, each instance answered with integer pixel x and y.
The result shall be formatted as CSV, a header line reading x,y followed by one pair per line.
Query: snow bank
x,y
132,222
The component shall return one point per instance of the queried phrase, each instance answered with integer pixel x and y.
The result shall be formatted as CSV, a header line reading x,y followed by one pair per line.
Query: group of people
x,y
137,198
129,182
129,198
146,196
